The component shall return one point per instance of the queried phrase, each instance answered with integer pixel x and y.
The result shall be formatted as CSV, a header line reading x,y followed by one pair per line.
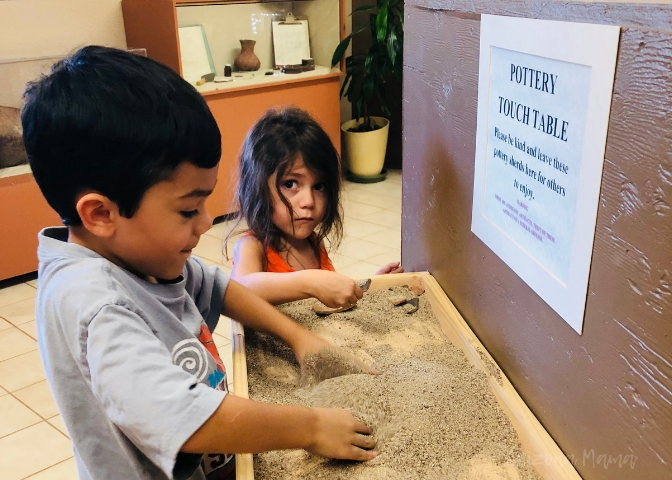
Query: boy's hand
x,y
333,289
340,435
392,267
306,343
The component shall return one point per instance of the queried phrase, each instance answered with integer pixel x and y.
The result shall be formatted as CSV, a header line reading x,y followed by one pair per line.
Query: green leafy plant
x,y
366,74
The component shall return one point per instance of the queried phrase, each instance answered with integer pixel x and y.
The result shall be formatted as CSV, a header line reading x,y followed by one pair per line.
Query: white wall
x,y
50,28
46,28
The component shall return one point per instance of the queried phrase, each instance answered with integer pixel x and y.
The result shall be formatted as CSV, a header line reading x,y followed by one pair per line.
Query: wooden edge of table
x,y
544,454
244,465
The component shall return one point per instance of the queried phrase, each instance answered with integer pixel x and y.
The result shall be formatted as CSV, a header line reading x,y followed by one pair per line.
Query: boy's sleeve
x,y
155,403
206,285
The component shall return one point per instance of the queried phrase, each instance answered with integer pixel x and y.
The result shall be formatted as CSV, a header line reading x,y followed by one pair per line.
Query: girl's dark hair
x,y
113,122
272,146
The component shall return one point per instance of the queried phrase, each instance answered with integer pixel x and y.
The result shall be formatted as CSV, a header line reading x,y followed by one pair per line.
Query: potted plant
x,y
366,75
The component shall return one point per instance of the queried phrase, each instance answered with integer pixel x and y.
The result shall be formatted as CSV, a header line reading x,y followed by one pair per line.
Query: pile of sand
x,y
432,412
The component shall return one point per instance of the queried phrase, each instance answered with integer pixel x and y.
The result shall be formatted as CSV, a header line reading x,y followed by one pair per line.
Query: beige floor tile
x,y
224,268
4,324
387,189
223,327
15,416
359,210
386,257
220,341
376,200
360,249
217,231
360,270
16,293
32,283
14,342
66,470
388,218
394,176
390,238
354,195
57,422
355,228
341,261
21,371
3,392
348,185
29,328
210,248
19,312
39,398
348,193
31,450
394,205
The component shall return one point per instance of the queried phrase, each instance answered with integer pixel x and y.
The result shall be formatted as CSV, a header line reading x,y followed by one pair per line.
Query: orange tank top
x,y
275,263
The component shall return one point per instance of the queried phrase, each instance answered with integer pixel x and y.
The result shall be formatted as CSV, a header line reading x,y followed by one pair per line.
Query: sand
x,y
432,413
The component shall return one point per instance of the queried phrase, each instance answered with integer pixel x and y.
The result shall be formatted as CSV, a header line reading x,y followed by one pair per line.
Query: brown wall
x,y
609,391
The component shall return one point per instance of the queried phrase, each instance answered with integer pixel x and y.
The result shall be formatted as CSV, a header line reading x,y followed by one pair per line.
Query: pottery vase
x,y
247,61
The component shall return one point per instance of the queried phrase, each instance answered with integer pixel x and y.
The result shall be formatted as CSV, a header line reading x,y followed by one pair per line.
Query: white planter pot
x,y
365,151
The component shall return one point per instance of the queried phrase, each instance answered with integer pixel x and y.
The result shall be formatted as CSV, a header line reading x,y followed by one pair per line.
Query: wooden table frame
x,y
544,454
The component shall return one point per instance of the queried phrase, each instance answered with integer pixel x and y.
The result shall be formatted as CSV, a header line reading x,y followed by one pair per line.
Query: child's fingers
x,y
361,455
363,428
390,268
358,293
364,441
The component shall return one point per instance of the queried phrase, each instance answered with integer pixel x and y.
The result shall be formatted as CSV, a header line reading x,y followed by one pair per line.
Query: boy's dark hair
x,y
116,123
272,145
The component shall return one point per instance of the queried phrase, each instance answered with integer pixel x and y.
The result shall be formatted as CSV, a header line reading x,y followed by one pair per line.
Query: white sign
x,y
544,95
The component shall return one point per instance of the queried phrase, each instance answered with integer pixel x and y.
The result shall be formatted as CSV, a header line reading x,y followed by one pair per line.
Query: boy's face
x,y
306,194
158,239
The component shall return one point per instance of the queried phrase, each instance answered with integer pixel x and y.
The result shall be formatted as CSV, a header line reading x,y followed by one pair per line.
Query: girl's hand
x,y
392,267
333,289
339,435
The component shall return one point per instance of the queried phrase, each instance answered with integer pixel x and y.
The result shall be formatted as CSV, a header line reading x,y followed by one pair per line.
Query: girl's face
x,y
305,193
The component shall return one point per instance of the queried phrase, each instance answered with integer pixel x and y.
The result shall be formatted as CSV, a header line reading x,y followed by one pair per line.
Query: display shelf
x,y
16,170
251,80
236,105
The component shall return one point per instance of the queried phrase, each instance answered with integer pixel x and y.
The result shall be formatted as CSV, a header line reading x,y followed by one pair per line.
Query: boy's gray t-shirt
x,y
124,361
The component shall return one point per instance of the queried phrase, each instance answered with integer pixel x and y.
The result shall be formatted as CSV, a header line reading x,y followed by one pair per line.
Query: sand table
x,y
431,411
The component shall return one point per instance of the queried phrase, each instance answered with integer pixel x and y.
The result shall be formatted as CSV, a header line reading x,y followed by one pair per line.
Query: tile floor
x,y
33,440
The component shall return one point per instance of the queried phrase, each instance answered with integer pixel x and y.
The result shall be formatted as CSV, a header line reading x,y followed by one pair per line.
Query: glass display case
x,y
239,102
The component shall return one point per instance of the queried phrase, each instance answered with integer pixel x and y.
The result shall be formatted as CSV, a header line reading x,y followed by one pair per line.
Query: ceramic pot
x,y
247,61
365,151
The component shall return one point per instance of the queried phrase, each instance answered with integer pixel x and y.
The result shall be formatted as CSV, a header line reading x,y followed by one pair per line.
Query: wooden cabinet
x,y
23,213
236,105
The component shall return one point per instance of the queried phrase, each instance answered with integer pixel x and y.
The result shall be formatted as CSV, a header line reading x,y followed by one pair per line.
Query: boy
x,y
127,152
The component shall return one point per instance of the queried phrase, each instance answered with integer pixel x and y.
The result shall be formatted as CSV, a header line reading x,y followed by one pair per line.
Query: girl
x,y
288,193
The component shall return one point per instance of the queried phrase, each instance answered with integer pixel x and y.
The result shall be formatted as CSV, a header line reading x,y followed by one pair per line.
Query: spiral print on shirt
x,y
192,357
